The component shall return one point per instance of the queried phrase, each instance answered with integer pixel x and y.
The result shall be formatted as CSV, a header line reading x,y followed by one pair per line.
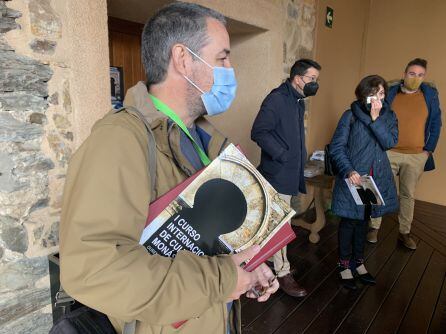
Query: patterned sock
x,y
344,263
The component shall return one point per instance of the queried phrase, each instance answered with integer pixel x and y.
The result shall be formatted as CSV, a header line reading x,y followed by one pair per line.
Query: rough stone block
x,y
8,12
66,97
8,183
51,238
69,135
19,73
44,20
40,204
37,118
7,18
38,233
26,312
13,235
35,163
22,274
22,101
292,11
4,46
12,130
43,46
38,322
7,24
54,99
60,148
61,121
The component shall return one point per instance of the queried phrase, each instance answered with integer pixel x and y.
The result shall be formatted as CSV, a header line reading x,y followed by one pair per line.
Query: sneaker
x,y
289,285
407,241
372,236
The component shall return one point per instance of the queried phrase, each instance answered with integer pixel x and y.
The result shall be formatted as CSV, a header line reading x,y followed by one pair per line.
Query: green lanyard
x,y
161,106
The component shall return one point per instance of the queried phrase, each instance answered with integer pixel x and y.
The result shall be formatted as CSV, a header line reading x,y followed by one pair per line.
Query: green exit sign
x,y
329,17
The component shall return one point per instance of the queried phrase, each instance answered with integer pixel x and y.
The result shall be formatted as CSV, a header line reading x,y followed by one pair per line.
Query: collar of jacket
x,y
291,90
427,88
359,110
167,136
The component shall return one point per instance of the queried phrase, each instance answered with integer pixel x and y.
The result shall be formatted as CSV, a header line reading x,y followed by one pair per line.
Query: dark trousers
x,y
352,235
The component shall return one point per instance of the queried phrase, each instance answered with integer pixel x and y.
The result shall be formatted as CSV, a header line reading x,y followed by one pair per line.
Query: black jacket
x,y
279,131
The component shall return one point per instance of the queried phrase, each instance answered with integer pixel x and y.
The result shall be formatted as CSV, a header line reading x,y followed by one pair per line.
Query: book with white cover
x,y
367,192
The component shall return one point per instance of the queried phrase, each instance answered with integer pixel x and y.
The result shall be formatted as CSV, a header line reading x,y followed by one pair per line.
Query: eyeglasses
x,y
313,79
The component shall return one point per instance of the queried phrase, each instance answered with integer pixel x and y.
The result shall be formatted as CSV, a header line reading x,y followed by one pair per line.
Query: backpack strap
x,y
130,327
151,144
63,300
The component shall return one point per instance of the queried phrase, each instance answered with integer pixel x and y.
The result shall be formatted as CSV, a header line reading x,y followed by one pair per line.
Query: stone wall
x,y
35,145
300,23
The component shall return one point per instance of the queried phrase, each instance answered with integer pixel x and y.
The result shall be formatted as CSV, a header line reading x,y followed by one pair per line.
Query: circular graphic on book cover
x,y
265,209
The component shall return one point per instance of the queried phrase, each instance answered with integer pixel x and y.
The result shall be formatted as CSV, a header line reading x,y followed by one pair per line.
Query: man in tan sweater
x,y
417,107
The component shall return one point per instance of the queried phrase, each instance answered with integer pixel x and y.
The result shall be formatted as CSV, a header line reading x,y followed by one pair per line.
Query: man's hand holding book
x,y
259,284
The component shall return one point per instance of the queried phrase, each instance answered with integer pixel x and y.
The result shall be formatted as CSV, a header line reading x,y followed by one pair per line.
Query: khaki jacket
x,y
104,211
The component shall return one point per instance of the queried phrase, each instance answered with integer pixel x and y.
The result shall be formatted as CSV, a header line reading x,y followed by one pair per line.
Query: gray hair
x,y
178,22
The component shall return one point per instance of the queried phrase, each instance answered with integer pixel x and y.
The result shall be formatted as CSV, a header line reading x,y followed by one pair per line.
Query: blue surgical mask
x,y
222,92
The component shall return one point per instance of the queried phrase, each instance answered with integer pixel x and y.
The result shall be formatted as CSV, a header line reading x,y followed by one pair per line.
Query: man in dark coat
x,y
417,107
279,131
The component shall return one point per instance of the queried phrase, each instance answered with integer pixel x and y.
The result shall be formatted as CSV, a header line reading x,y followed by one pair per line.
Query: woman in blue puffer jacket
x,y
359,145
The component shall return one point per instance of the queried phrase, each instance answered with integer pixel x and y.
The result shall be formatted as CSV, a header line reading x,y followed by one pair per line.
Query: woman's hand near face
x,y
376,108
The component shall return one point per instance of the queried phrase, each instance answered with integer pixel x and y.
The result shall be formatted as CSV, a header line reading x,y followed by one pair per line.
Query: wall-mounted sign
x,y
329,17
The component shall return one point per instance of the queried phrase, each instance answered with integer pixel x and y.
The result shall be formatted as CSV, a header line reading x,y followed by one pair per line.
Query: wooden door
x,y
125,49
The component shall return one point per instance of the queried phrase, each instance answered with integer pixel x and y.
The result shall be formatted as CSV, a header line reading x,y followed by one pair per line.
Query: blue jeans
x,y
352,235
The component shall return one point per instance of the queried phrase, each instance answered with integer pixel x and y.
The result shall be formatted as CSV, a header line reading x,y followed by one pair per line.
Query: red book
x,y
282,238
179,219
158,205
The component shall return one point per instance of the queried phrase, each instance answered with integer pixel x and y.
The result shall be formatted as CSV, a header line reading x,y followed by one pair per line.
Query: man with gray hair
x,y
185,50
